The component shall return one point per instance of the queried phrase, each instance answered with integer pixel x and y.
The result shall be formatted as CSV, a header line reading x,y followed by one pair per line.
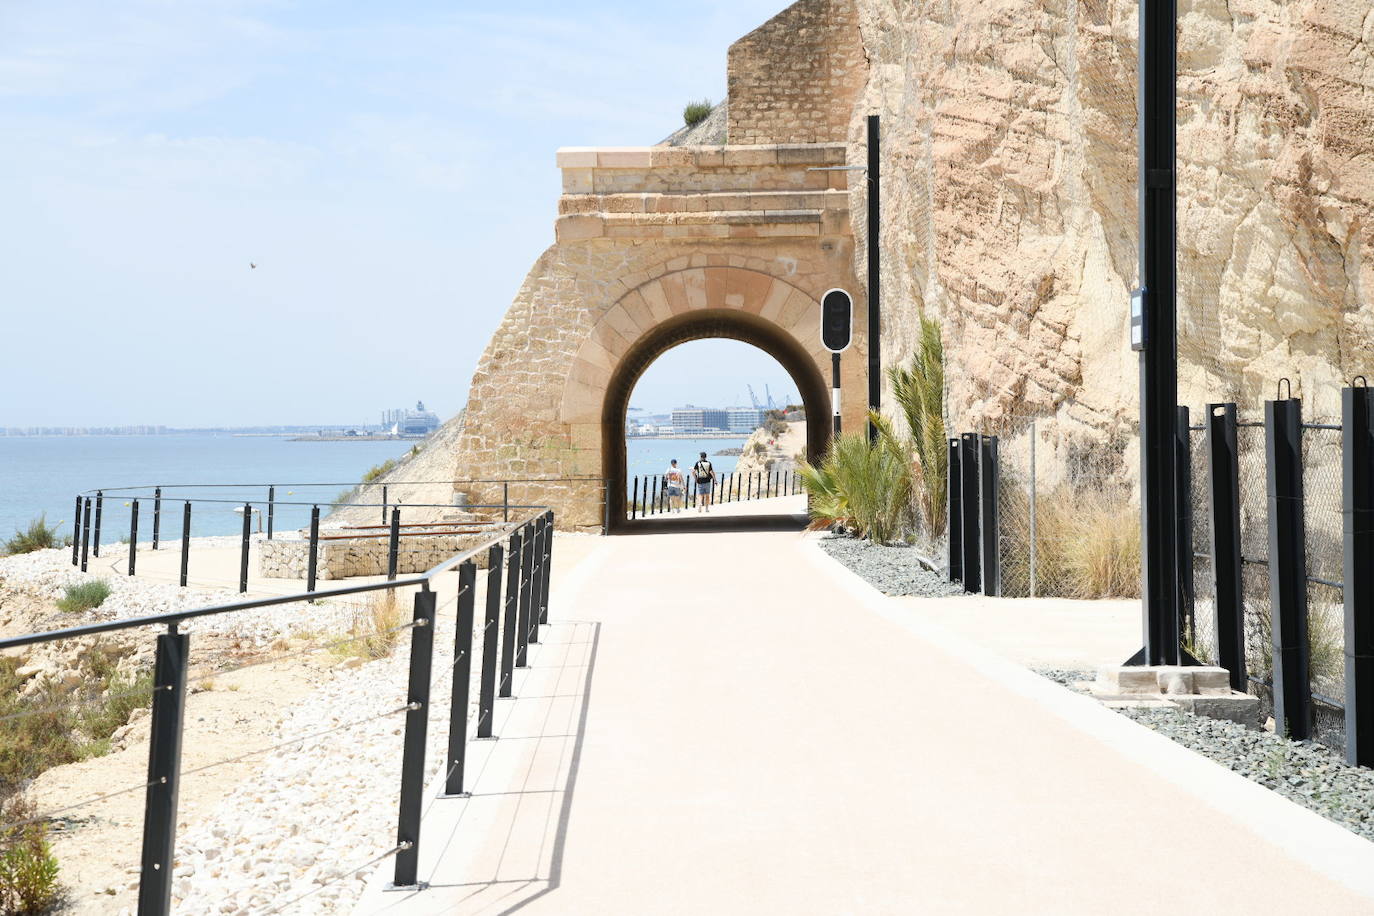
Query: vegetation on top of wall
x,y
696,112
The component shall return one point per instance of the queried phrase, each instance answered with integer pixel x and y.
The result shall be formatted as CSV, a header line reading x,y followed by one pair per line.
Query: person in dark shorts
x,y
704,476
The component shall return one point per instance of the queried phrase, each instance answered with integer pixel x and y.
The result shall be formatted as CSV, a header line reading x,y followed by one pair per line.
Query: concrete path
x,y
732,723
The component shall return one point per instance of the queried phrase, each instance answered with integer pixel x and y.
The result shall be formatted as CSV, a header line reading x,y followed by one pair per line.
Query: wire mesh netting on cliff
x,y
1070,522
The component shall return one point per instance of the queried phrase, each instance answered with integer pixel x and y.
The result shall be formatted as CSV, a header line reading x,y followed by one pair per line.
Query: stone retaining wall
x,y
342,559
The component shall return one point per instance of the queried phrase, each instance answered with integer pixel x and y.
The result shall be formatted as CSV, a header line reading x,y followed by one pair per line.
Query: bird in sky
x,y
252,266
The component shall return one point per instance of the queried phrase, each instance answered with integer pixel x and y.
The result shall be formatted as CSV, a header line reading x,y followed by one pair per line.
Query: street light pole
x,y
875,361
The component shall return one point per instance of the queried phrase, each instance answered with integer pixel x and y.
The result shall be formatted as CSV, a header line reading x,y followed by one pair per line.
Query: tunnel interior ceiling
x,y
728,324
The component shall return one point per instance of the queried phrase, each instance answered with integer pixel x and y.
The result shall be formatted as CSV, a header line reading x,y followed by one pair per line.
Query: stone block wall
x,y
796,78
342,559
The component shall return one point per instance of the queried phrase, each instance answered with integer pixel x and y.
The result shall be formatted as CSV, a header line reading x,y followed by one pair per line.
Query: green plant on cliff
x,y
696,112
919,390
38,536
28,870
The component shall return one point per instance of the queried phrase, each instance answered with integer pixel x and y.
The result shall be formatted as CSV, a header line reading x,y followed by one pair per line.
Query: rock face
x,y
1009,198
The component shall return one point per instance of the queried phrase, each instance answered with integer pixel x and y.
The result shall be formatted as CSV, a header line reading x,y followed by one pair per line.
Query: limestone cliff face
x,y
1009,197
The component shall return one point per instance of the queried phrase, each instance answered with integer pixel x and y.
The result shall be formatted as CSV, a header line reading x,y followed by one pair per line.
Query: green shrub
x,y
377,470
696,112
28,870
39,536
919,390
84,597
865,486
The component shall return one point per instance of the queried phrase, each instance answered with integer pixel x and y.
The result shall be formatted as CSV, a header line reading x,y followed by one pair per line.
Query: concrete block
x,y
1123,679
1211,681
1237,707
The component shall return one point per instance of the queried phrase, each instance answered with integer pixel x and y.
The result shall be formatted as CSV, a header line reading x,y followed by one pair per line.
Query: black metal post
x,y
1223,498
835,389
954,489
548,568
536,577
462,677
972,546
875,286
989,478
185,541
522,636
157,516
1157,121
508,627
164,774
77,528
133,537
634,499
99,507
85,533
312,562
384,504
738,483
1183,511
1357,486
243,548
1287,568
486,696
413,749
393,548
271,510
748,486
505,500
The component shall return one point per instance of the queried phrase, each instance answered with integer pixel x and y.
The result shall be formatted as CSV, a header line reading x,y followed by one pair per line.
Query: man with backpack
x,y
705,477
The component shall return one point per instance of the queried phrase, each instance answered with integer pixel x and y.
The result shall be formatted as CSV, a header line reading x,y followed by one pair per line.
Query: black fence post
x,y
634,499
508,626
1287,568
462,677
486,696
157,516
413,750
243,548
312,562
1357,486
77,528
85,533
989,477
99,508
185,541
133,537
505,500
536,577
548,568
972,546
164,774
1183,540
393,548
271,510
384,504
954,490
1223,499
522,635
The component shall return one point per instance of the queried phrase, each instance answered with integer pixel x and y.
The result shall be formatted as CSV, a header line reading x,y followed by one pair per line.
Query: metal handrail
x,y
347,483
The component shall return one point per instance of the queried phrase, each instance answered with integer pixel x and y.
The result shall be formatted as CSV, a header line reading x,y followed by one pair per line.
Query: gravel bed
x,y
1306,772
892,569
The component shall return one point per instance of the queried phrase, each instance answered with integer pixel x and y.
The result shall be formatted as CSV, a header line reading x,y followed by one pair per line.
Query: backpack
x,y
702,470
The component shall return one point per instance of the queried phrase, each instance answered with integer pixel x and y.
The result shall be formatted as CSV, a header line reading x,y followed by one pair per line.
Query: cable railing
x,y
518,557
651,494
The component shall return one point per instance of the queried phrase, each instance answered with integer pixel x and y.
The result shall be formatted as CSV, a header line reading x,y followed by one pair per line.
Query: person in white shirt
x,y
675,481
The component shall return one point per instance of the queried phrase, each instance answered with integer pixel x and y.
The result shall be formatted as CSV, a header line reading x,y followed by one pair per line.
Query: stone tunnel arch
x,y
733,324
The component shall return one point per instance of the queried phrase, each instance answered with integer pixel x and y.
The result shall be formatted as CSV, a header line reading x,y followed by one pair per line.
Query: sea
x,y
651,456
41,475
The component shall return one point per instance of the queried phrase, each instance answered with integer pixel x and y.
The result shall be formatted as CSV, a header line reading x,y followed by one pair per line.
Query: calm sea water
x,y
651,456
42,475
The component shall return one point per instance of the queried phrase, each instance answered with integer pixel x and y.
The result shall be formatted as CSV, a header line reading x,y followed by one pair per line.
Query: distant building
x,y
692,419
744,419
417,422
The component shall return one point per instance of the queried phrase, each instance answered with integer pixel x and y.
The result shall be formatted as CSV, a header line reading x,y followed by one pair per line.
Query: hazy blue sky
x,y
389,166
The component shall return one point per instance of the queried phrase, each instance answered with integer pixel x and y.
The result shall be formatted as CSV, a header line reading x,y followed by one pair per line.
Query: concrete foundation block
x,y
1235,707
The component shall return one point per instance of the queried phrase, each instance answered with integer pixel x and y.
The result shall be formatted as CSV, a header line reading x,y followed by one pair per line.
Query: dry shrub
x,y
1087,543
375,630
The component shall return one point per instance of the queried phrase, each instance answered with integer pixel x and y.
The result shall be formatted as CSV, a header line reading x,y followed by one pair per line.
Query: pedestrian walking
x,y
705,477
676,481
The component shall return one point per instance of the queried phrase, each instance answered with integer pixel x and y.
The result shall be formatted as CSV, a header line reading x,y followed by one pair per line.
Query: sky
x,y
389,167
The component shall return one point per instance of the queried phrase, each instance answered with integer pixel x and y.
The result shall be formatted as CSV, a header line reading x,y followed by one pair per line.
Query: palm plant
x,y
919,390
865,486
